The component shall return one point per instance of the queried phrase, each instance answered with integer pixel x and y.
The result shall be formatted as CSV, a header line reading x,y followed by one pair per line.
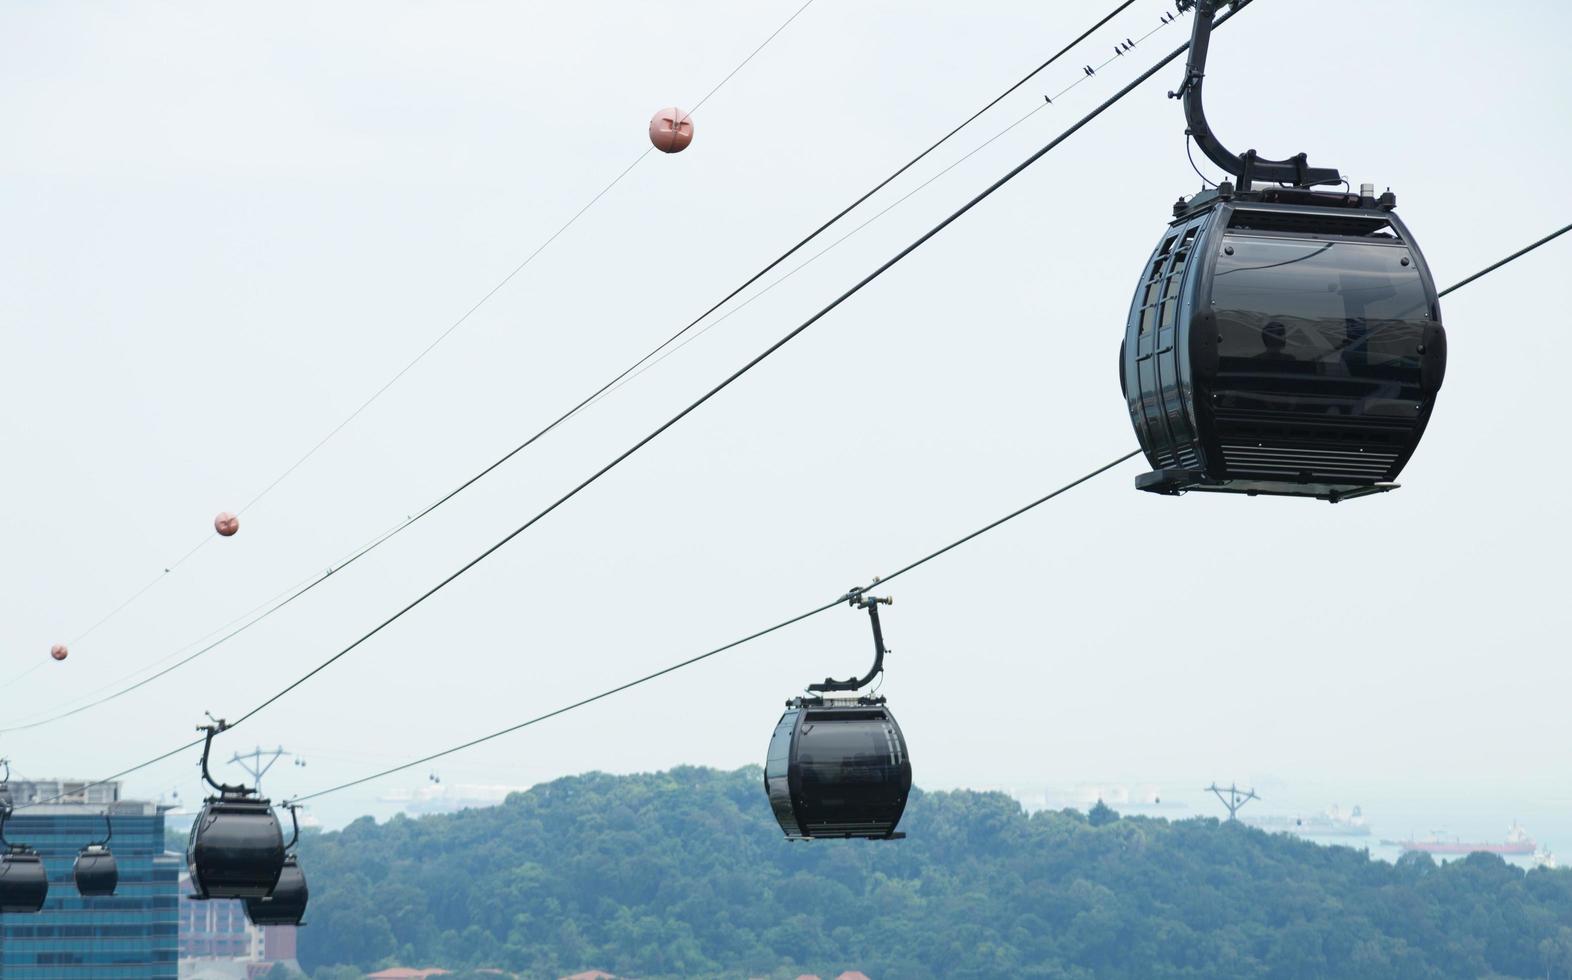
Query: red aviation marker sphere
x,y
58,651
671,130
226,524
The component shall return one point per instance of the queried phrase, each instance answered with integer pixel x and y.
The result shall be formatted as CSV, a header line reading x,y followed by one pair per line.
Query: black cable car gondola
x,y
287,905
236,849
95,870
1282,340
24,883
838,767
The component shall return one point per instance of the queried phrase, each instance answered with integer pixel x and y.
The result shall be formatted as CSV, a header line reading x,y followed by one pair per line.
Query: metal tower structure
x,y
1233,798
252,762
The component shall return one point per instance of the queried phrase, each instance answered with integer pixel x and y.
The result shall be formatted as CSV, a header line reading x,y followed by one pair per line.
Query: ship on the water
x,y
1331,822
1517,843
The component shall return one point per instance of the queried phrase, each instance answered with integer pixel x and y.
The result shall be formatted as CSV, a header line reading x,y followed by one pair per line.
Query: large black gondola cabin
x,y
1285,338
24,883
236,847
287,905
1282,341
95,871
838,768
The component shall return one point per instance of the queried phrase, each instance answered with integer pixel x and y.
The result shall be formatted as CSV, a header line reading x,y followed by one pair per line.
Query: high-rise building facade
x,y
131,935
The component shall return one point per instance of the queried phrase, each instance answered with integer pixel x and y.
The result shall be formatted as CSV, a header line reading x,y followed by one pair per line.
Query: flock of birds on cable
x,y
1285,339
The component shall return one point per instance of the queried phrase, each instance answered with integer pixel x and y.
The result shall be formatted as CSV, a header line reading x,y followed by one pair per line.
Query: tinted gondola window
x,y
848,751
1319,327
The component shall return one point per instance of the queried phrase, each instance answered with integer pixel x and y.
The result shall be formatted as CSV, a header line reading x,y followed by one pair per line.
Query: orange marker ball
x,y
671,130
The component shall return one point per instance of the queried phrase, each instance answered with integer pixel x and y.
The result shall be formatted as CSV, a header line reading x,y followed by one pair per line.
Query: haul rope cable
x,y
837,602
901,571
269,607
750,365
881,213
433,345
634,370
760,359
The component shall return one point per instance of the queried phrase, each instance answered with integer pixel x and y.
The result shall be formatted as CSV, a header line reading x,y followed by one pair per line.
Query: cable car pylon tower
x,y
252,762
1234,799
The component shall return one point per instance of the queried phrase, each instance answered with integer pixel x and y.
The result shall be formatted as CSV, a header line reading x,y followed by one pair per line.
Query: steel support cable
x,y
695,335
897,572
439,339
839,600
750,365
655,355
1509,259
256,614
819,609
109,779
651,676
758,359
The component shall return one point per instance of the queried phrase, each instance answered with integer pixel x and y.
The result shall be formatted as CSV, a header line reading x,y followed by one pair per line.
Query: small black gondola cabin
x,y
1282,341
236,849
287,905
838,768
95,871
24,883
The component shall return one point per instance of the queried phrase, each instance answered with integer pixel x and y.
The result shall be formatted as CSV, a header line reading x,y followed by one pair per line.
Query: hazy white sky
x,y
221,228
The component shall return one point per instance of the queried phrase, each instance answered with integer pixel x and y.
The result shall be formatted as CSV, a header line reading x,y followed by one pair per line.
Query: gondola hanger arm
x,y
218,725
859,598
109,831
1247,166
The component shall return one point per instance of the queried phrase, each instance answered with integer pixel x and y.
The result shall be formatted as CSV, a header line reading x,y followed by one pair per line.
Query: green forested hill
x,y
685,873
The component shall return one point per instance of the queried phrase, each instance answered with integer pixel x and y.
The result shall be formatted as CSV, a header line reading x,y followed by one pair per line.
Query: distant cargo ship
x,y
1331,822
1517,843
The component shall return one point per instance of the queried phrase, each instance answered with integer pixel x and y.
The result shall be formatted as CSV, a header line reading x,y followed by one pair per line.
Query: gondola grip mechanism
x,y
858,597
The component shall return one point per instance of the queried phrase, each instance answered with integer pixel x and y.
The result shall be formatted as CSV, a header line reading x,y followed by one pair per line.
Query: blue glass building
x,y
132,935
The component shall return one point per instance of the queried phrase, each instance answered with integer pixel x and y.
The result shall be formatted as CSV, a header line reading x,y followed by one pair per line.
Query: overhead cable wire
x,y
882,580
618,385
1509,259
838,601
751,55
26,672
898,572
256,614
84,787
139,593
288,471
754,362
656,355
890,263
